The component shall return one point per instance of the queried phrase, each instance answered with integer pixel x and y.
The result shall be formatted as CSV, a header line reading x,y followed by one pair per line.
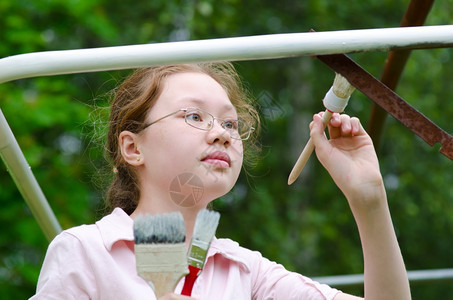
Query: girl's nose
x,y
218,134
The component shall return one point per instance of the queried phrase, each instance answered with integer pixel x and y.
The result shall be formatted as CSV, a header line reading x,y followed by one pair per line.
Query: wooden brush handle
x,y
190,280
305,155
161,265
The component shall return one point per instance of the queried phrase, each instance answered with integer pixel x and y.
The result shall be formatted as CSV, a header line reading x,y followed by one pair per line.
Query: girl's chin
x,y
198,189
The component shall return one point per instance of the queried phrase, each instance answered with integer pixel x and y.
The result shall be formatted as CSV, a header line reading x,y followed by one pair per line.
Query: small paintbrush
x,y
335,101
160,250
204,230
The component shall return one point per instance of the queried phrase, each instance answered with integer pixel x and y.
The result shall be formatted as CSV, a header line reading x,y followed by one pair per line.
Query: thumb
x,y
317,131
319,138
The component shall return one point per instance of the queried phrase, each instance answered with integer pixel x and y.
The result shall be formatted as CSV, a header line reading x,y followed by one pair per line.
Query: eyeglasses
x,y
200,119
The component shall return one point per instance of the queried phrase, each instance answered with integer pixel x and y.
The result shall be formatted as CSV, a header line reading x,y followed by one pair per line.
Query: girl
x,y
193,123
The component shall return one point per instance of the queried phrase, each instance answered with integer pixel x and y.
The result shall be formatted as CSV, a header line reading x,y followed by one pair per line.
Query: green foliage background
x,y
58,122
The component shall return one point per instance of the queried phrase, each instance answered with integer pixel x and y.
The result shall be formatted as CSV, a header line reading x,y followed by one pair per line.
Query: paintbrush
x,y
160,250
335,101
204,230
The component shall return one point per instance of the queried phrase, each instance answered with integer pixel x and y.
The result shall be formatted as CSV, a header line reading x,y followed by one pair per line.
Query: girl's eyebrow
x,y
194,101
199,103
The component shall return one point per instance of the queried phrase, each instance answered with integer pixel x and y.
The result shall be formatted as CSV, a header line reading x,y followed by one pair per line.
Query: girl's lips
x,y
218,158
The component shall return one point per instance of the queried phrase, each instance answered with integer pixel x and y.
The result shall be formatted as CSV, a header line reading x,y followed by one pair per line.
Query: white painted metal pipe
x,y
232,49
419,276
26,182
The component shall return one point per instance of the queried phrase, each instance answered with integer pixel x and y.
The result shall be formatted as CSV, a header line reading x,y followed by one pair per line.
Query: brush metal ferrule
x,y
334,103
197,253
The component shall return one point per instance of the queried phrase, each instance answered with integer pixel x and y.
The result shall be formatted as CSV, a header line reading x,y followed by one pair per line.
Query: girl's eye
x,y
230,124
194,117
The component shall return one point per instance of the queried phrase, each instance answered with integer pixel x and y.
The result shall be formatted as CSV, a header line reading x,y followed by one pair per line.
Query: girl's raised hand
x,y
349,157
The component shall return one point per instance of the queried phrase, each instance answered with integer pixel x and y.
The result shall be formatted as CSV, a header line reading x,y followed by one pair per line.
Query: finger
x,y
320,114
317,133
334,126
346,126
335,121
356,127
316,127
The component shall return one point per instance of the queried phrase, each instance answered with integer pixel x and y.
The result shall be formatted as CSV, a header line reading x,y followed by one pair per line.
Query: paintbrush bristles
x,y
206,225
341,87
204,230
162,229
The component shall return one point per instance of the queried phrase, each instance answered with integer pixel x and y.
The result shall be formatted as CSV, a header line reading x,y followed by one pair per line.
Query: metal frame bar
x,y
415,15
415,277
232,49
25,181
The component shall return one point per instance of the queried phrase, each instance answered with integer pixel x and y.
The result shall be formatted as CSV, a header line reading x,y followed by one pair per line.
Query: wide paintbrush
x,y
204,230
160,250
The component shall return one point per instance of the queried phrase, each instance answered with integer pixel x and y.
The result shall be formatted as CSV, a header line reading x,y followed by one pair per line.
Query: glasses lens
x,y
238,129
199,119
244,130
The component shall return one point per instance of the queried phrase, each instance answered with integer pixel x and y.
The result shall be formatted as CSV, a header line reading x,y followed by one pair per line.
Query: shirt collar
x,y
116,227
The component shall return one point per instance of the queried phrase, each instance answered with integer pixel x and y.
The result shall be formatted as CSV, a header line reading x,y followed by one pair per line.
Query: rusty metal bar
x,y
415,15
390,101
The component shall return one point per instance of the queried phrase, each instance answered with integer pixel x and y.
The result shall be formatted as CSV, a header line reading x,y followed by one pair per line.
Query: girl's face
x,y
188,166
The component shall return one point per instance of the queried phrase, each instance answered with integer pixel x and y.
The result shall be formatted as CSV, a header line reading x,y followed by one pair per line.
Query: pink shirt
x,y
98,262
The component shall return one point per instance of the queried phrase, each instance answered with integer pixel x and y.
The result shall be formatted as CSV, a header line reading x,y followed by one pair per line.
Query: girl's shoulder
x,y
229,246
107,231
233,251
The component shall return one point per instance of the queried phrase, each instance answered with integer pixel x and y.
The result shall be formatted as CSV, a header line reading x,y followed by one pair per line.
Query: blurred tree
x,y
308,227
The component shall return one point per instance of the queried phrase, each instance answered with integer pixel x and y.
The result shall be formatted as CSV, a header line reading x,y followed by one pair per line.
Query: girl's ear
x,y
130,151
